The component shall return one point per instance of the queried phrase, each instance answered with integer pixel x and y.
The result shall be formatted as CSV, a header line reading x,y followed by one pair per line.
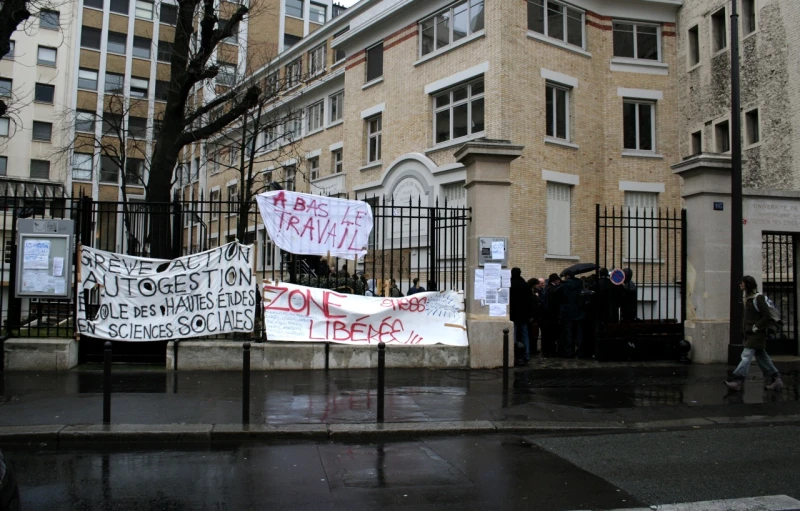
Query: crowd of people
x,y
566,312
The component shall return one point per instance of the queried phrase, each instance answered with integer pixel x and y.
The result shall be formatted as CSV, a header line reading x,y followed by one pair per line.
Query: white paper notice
x,y
58,266
478,275
496,309
502,296
60,287
491,295
493,282
480,290
498,250
40,282
28,280
491,270
36,255
505,276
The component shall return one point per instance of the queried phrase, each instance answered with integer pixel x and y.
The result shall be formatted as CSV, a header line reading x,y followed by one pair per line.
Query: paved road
x,y
458,473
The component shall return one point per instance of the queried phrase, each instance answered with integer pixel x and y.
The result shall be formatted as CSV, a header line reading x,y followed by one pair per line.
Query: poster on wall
x,y
143,299
301,223
299,313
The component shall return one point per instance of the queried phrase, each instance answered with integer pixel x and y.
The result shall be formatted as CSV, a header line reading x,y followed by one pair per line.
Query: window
x,y
556,20
748,16
233,196
109,170
97,4
697,142
313,168
694,45
271,137
139,87
46,56
339,55
234,37
44,93
374,128
5,87
87,79
117,42
214,199
292,129
315,116
137,127
12,48
112,124
5,124
134,171
120,6
48,19
290,40
559,198
317,13
316,60
293,73
157,124
82,166
751,126
141,47
169,14
85,121
165,51
290,172
162,89
40,169
641,211
90,37
719,38
42,131
227,74
636,41
114,83
336,157
337,107
557,112
458,112
639,126
375,62
144,9
3,170
294,8
450,25
272,83
722,134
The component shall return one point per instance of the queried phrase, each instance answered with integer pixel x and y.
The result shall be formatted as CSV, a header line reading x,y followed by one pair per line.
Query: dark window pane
x,y
137,127
646,127
120,6
109,171
561,114
42,130
647,43
294,8
162,89
40,169
629,125
461,121
84,121
90,38
44,93
443,126
49,19
87,79
97,4
477,88
114,82
460,93
290,40
550,111
164,51
477,116
623,40
555,21
117,42
442,30
169,14
536,16
427,36
575,27
141,47
375,62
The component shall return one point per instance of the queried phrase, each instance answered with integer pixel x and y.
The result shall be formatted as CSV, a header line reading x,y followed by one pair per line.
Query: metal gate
x,y
779,284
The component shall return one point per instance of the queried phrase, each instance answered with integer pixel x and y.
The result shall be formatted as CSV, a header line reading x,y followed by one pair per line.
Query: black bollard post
x,y
505,360
381,378
327,355
246,384
107,384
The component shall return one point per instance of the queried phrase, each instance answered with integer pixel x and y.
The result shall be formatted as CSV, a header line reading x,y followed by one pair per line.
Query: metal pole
x,y
246,384
381,378
505,360
107,384
737,265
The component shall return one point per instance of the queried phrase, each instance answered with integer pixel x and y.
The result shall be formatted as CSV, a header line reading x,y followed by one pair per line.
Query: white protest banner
x,y
142,299
301,223
299,313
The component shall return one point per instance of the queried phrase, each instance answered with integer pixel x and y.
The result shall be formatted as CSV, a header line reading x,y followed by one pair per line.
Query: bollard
x,y
246,384
381,378
107,384
327,355
505,360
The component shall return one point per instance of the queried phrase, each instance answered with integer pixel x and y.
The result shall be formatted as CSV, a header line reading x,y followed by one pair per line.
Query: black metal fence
x,y
779,284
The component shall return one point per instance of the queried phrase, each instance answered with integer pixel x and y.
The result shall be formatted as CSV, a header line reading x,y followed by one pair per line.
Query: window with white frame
x,y
752,127
337,107
49,19
374,129
317,13
719,36
557,20
558,111
337,161
87,79
315,116
316,60
82,167
139,87
313,167
5,124
168,14
641,218
722,136
294,8
85,121
272,83
339,54
639,125
637,41
292,129
289,173
46,56
459,112
271,137
294,72
233,198
117,42
559,209
450,25
374,62
227,74
142,47
144,9
214,198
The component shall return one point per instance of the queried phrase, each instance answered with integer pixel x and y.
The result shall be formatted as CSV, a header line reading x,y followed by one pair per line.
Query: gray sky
x,y
347,3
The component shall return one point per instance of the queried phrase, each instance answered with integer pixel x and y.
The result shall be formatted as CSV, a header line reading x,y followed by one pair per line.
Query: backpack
x,y
772,312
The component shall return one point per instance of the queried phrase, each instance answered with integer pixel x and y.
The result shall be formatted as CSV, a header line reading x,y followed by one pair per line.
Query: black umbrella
x,y
579,268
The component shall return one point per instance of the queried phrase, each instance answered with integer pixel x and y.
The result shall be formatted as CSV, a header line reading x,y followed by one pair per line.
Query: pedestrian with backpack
x,y
759,317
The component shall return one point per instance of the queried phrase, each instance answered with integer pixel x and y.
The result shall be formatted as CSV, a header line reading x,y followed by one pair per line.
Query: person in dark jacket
x,y
536,286
416,288
606,299
520,298
549,301
755,322
629,298
572,315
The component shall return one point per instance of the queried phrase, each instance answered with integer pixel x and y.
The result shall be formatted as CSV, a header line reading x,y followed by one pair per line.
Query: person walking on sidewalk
x,y
756,321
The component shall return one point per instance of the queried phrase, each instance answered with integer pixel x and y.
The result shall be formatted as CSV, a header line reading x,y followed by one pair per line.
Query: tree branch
x,y
250,99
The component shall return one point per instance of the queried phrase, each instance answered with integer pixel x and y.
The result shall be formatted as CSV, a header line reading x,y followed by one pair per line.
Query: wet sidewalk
x,y
586,393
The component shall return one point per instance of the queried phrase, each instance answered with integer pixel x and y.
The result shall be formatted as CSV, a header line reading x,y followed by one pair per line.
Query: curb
x,y
85,434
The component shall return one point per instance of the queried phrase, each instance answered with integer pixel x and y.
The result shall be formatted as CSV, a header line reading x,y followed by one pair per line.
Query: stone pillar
x,y
488,183
706,180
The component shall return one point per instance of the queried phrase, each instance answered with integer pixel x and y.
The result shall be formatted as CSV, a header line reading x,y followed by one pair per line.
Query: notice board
x,y
44,258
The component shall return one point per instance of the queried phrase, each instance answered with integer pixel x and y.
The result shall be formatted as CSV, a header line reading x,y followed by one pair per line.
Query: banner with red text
x,y
299,313
301,223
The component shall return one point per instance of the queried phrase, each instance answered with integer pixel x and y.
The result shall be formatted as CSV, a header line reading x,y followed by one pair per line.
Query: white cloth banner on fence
x,y
142,299
299,313
301,223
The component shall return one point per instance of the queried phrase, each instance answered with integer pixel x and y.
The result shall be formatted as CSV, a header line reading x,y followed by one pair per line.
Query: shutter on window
x,y
642,237
558,218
